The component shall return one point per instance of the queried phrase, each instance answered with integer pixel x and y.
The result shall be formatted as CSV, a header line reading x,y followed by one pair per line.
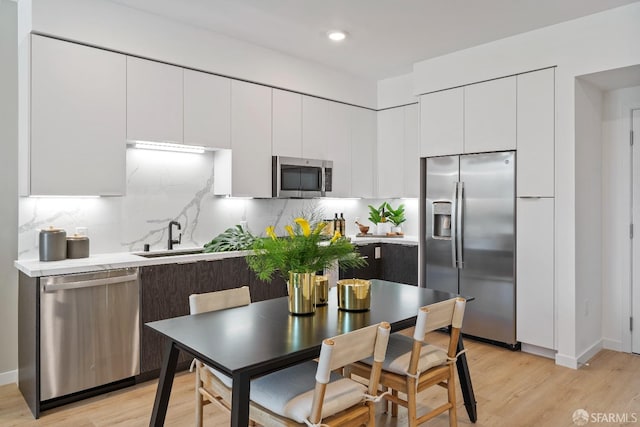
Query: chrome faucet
x,y
171,241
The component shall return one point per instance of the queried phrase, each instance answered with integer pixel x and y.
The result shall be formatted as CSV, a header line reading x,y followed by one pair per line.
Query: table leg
x,y
165,382
240,400
465,383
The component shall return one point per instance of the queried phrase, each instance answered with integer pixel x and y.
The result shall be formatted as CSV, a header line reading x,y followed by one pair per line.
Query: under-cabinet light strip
x,y
164,146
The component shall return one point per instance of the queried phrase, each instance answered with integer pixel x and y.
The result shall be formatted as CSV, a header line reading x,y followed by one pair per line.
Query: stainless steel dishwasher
x,y
89,330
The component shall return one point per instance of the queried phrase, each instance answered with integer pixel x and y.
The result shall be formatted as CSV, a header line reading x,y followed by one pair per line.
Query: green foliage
x,y
396,216
303,251
232,239
377,215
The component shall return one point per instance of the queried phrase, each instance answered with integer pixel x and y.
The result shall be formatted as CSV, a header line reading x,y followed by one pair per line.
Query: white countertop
x,y
36,268
98,262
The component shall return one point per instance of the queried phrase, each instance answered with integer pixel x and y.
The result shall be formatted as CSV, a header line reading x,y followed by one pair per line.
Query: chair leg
x,y
451,391
412,403
199,403
394,406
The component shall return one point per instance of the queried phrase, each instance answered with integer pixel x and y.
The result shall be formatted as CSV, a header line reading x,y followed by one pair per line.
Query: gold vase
x,y
302,292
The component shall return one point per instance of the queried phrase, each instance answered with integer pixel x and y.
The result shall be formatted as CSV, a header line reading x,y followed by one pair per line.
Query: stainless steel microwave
x,y
301,178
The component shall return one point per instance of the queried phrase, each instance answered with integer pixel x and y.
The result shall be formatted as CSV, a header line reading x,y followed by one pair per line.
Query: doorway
x,y
635,241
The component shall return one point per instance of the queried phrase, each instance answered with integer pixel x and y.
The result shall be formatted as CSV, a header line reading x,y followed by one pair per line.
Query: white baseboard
x,y
590,352
538,351
566,361
614,345
10,377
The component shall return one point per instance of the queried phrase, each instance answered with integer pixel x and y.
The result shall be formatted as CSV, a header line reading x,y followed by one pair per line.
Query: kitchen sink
x,y
174,252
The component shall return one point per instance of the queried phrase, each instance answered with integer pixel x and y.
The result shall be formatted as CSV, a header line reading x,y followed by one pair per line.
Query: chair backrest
x,y
436,316
218,300
439,315
345,349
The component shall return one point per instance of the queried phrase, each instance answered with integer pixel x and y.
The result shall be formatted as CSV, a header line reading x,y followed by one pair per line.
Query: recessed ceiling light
x,y
337,35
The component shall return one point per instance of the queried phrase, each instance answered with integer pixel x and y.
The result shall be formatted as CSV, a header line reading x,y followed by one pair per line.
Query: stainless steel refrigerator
x,y
467,238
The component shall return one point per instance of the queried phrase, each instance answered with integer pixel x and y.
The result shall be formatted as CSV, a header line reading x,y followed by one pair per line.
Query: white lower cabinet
x,y
78,120
250,140
535,272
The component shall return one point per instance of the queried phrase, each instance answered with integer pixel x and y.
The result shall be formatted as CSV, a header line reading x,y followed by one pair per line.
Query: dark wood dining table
x,y
251,341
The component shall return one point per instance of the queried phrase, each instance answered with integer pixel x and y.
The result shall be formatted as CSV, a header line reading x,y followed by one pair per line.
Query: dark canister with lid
x,y
77,246
52,244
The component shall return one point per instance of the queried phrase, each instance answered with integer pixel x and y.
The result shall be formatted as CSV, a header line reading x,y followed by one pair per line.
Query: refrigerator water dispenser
x,y
441,220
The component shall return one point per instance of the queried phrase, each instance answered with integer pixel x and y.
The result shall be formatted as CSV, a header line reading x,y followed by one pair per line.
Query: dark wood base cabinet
x,y
397,263
165,291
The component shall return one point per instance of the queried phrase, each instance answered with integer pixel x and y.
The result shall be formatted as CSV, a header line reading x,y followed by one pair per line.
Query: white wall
x,y
396,91
588,124
594,43
8,191
113,26
616,216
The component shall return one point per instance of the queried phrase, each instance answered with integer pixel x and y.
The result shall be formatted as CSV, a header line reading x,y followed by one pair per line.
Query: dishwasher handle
x,y
54,287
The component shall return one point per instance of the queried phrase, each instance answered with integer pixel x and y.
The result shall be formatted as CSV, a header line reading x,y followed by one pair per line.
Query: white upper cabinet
x,y
411,152
490,116
287,124
250,140
207,110
535,272
315,129
390,152
154,101
442,123
536,133
363,147
78,120
339,149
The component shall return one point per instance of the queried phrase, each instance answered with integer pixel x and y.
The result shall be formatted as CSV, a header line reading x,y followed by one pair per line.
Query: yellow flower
x,y
289,230
319,227
336,236
270,232
304,225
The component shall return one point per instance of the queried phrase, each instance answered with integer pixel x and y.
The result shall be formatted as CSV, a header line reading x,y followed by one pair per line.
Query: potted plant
x,y
396,217
378,216
298,256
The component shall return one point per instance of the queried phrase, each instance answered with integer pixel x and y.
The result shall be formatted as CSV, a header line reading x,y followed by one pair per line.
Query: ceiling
x,y
386,37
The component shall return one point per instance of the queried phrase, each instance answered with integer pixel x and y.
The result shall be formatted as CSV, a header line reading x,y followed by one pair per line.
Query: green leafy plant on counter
x,y
378,215
301,251
232,239
396,216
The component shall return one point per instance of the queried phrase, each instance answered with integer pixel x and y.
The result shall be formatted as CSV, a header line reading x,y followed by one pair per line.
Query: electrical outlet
x,y
377,252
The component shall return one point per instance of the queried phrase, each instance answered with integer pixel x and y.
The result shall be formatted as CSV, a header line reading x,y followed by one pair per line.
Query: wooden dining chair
x,y
412,366
212,385
313,393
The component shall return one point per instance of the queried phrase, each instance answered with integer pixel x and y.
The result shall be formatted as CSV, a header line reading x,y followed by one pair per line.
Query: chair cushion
x,y
226,380
399,354
289,392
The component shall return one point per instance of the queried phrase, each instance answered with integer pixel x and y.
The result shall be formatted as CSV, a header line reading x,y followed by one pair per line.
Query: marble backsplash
x,y
165,186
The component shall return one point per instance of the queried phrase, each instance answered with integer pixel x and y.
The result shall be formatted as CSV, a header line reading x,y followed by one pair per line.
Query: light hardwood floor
x,y
512,389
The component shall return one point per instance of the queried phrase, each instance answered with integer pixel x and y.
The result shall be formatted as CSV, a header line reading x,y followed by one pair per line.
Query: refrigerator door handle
x,y
454,226
459,225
